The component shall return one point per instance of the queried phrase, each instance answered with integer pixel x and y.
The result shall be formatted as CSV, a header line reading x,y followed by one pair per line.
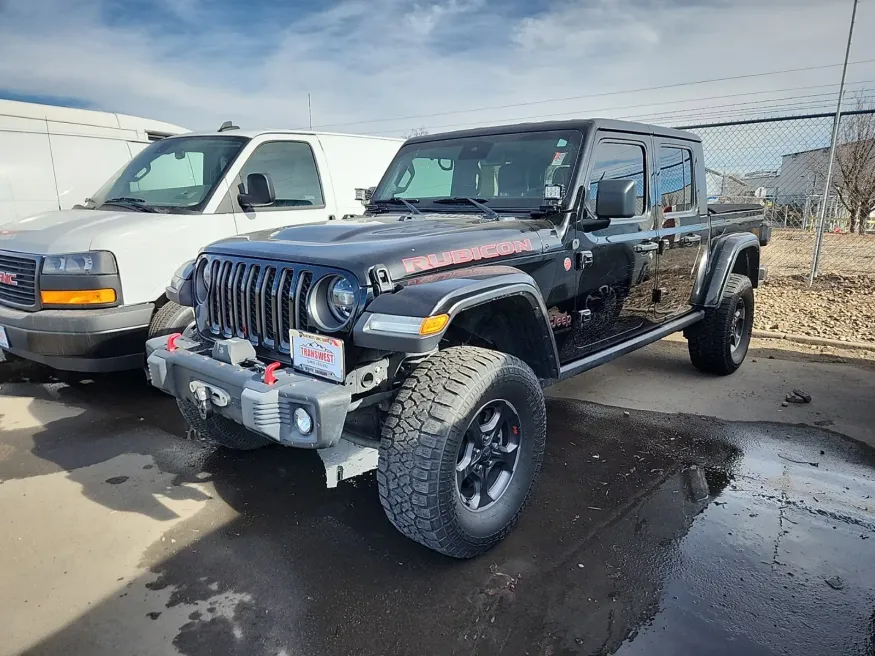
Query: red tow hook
x,y
171,341
269,378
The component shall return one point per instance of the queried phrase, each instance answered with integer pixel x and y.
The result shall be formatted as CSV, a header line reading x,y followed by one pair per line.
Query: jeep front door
x,y
617,265
683,226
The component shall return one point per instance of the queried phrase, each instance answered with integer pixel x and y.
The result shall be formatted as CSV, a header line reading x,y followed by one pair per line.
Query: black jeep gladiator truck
x,y
488,265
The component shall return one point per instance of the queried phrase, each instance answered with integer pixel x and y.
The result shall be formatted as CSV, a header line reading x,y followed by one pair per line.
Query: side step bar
x,y
603,357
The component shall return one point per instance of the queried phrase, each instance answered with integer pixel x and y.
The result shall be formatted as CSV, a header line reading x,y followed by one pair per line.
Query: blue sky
x,y
197,63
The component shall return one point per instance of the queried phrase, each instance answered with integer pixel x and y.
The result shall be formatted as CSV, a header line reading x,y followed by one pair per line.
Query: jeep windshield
x,y
506,172
172,175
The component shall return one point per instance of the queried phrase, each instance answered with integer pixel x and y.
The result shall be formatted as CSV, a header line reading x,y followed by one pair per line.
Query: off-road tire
x,y
221,430
420,443
710,340
171,318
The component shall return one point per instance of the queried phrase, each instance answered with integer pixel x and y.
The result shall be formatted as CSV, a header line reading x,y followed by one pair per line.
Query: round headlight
x,y
331,302
341,298
202,280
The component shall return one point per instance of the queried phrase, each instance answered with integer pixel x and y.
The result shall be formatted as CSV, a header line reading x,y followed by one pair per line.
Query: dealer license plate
x,y
4,340
317,355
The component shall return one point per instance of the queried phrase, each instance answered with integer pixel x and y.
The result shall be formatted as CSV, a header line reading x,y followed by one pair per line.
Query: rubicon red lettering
x,y
462,255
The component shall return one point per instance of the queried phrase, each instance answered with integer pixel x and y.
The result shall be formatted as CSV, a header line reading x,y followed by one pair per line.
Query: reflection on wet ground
x,y
649,534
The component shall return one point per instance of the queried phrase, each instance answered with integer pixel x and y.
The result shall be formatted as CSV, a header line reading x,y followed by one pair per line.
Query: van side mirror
x,y
259,191
364,195
616,199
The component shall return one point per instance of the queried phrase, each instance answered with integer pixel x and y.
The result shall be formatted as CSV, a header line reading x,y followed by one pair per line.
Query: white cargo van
x,y
51,158
82,289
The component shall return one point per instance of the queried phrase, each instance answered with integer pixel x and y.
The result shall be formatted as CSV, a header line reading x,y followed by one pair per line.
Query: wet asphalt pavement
x,y
649,533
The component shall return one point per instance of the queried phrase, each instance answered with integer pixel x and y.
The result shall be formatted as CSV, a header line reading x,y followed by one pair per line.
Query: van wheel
x,y
718,344
461,449
171,318
221,430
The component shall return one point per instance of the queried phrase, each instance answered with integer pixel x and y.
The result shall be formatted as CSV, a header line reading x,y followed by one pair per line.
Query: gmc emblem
x,y
7,278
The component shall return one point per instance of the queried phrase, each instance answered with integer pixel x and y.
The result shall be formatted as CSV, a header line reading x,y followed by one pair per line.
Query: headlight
x,y
94,263
341,298
331,302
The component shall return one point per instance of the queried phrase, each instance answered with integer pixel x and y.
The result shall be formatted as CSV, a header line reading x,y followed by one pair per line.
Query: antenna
x,y
310,110
228,125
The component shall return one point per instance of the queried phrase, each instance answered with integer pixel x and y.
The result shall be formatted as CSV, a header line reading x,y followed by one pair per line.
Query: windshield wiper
x,y
133,203
476,202
407,202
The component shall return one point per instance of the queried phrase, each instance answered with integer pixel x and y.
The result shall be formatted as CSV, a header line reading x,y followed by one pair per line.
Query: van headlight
x,y
93,263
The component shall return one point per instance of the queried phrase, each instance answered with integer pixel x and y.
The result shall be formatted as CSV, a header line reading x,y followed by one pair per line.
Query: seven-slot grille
x,y
256,301
17,280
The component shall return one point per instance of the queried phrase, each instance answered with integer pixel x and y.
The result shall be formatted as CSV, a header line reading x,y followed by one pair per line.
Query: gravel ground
x,y
836,307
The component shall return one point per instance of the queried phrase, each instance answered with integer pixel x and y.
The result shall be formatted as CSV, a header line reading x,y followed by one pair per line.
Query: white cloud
x,y
379,59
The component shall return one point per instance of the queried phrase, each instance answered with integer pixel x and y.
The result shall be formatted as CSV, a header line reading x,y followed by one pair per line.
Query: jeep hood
x,y
406,247
68,231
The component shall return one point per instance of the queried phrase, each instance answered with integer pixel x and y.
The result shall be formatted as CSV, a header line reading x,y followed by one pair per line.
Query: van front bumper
x,y
240,394
91,341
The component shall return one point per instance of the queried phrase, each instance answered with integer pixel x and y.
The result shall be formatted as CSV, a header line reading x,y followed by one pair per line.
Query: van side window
x,y
676,179
291,167
618,161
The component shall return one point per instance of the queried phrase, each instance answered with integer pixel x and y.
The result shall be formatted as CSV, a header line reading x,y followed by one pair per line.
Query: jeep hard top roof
x,y
584,125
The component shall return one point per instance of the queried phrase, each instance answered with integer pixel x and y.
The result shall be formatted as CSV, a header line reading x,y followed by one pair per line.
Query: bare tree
x,y
416,132
855,163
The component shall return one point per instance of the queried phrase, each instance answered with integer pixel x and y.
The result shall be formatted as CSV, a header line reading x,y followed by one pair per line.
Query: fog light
x,y
303,421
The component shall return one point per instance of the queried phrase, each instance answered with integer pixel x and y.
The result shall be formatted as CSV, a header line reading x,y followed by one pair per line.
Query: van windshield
x,y
172,175
507,171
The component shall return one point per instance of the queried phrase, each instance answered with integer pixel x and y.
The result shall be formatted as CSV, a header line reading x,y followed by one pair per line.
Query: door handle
x,y
689,240
646,247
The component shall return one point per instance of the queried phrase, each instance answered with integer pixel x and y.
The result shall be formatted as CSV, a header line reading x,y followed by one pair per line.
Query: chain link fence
x,y
781,163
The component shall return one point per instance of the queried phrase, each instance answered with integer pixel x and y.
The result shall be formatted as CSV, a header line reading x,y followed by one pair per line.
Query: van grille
x,y
260,302
17,280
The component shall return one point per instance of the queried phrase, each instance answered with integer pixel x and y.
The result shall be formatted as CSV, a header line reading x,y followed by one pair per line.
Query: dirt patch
x,y
789,253
836,307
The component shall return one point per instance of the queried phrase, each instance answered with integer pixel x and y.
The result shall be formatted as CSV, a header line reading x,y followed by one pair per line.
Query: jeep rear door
x,y
683,223
614,295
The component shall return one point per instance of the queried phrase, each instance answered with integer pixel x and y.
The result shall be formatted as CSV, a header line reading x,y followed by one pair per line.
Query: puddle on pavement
x,y
649,534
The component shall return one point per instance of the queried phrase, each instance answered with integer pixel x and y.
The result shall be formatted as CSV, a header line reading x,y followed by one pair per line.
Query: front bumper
x,y
99,340
264,409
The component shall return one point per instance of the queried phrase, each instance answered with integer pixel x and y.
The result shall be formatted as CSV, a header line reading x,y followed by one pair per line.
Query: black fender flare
x,y
718,263
453,293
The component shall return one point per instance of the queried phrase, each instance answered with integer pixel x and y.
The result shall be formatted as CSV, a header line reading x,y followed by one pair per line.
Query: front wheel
x,y
461,449
718,344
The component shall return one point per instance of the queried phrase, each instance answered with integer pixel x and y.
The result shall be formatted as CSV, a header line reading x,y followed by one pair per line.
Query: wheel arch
x,y
497,306
735,253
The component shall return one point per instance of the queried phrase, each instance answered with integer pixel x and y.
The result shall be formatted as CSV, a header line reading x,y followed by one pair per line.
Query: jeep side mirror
x,y
616,199
259,191
364,195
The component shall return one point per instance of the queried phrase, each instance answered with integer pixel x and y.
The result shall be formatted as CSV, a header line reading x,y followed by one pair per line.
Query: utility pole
x,y
818,239
310,107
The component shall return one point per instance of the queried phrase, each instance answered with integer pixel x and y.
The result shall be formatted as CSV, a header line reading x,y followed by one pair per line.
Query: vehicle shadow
x,y
319,571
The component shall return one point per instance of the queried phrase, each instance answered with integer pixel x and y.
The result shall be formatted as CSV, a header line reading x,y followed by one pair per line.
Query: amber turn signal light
x,y
78,296
435,324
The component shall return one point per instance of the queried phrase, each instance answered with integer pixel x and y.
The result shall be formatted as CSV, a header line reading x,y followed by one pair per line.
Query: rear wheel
x,y
461,449
718,344
221,430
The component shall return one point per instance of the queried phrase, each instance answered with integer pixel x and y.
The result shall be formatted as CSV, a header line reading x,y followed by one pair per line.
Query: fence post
x,y
818,238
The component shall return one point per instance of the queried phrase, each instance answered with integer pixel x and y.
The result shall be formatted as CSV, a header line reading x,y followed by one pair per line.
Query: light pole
x,y
818,238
